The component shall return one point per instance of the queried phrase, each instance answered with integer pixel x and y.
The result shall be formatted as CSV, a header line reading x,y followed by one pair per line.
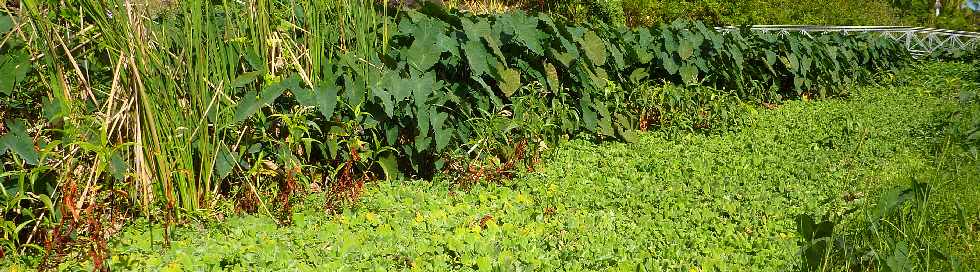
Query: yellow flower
x,y
372,218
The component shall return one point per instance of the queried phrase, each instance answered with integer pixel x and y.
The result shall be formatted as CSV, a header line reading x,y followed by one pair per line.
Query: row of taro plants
x,y
162,110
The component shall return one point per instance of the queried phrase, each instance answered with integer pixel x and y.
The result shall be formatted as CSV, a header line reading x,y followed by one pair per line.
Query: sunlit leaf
x,y
594,48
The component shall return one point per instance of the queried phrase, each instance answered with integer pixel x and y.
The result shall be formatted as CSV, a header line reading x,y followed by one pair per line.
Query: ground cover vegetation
x,y
168,113
893,169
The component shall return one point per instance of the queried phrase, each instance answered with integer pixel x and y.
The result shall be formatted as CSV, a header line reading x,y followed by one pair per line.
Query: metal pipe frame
x,y
917,40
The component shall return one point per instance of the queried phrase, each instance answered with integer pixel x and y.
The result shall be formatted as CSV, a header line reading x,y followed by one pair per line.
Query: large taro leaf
x,y
245,78
442,135
423,53
737,57
481,29
669,64
798,83
685,50
477,56
530,72
689,74
589,116
791,63
326,99
379,90
594,47
565,58
524,28
13,68
19,142
642,50
429,42
605,120
6,24
448,44
226,161
422,87
569,53
389,164
323,97
254,100
509,80
771,60
645,47
617,57
805,64
639,75
670,42
552,75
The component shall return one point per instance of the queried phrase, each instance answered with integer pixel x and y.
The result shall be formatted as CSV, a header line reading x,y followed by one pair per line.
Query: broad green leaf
x,y
333,146
643,56
594,48
554,83
899,259
6,24
737,56
509,81
245,79
389,164
253,101
569,51
566,59
670,43
524,28
689,74
247,106
305,97
326,99
423,141
476,56
423,53
225,162
798,84
639,75
386,100
529,72
442,135
589,116
617,57
14,67
117,167
447,44
771,57
685,50
421,88
791,62
19,142
481,29
669,64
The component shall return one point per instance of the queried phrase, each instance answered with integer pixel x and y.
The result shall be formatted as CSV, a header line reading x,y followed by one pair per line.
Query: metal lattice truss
x,y
918,40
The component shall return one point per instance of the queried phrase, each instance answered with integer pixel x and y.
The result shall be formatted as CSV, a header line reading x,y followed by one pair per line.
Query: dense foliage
x,y
448,69
162,112
668,201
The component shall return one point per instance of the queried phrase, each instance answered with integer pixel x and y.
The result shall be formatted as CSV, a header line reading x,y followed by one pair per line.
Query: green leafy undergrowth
x,y
930,222
686,201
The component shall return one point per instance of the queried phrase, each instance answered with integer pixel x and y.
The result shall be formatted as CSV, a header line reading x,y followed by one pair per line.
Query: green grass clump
x,y
685,201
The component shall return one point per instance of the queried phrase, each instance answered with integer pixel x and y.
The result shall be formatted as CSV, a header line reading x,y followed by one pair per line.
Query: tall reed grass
x,y
162,82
